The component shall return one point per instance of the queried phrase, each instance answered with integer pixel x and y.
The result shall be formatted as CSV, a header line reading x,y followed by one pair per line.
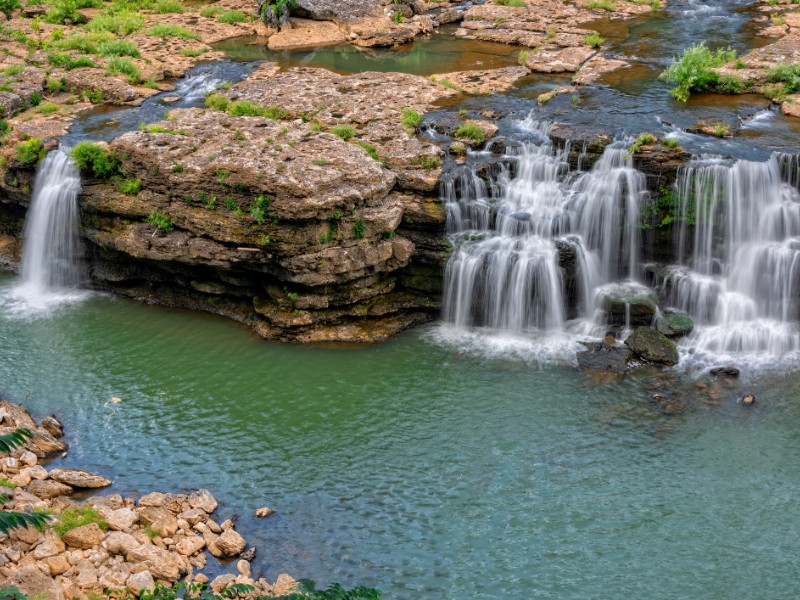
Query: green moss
x,y
131,187
471,131
71,518
346,132
161,221
30,152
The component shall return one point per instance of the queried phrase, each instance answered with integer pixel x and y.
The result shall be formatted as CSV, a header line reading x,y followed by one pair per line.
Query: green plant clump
x,y
216,101
89,156
411,118
470,131
594,40
7,6
30,152
71,518
131,187
788,74
275,12
61,11
516,3
694,71
233,16
346,132
123,22
118,65
164,30
161,221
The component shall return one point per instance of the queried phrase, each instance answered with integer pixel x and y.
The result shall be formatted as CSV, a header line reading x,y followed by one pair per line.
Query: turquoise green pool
x,y
421,469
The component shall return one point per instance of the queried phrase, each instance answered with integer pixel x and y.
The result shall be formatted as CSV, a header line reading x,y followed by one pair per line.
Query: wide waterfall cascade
x,y
51,269
511,235
739,252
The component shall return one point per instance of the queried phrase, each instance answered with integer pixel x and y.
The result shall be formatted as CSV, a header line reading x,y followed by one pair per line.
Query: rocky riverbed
x,y
107,543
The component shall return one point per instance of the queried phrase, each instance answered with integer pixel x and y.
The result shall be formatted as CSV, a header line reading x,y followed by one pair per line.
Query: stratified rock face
x,y
339,10
278,224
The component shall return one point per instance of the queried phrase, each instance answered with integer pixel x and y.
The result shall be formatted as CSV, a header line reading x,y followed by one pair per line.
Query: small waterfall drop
x,y
513,236
739,272
51,269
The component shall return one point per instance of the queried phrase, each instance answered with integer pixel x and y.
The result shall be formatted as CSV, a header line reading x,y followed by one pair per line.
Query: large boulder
x,y
652,346
227,545
47,488
84,537
632,306
338,10
161,563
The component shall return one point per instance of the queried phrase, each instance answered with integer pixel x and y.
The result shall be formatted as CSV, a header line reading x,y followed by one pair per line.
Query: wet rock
x,y
674,324
159,519
630,307
79,479
729,371
491,81
227,545
339,10
602,356
53,426
264,512
653,346
189,545
84,537
748,400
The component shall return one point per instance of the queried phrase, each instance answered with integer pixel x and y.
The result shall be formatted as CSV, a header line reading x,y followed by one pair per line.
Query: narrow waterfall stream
x,y
51,268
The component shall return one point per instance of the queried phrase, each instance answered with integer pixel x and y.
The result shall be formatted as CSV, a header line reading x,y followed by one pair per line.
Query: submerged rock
x,y
748,400
652,346
603,356
674,324
729,371
634,308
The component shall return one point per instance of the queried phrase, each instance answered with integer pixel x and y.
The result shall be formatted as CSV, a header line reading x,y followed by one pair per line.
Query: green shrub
x,y
86,43
71,518
411,118
593,40
12,70
47,108
358,229
68,62
36,99
787,74
95,96
602,4
470,131
169,6
61,11
670,143
124,22
517,3
693,70
346,132
6,6
162,223
275,12
89,156
119,48
429,162
233,16
31,151
729,84
131,187
210,12
54,85
216,101
165,30
124,66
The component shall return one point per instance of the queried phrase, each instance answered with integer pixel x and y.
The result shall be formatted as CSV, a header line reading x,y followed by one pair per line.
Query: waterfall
x,y
739,252
513,235
51,269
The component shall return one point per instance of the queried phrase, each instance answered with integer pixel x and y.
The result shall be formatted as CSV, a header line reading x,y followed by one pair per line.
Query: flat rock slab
x,y
79,479
304,33
491,81
605,357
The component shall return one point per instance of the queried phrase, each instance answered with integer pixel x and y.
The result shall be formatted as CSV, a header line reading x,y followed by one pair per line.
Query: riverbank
x,y
106,544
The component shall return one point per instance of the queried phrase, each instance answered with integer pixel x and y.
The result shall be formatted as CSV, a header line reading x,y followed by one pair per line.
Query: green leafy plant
x,y
275,12
471,131
119,48
89,156
131,187
787,74
62,11
516,3
119,65
346,132
594,40
411,118
168,6
123,22
233,16
161,221
167,30
216,101
7,6
694,71
31,151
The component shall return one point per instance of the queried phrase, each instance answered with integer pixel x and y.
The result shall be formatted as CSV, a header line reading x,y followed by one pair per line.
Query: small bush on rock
x,y
89,156
71,518
694,71
31,151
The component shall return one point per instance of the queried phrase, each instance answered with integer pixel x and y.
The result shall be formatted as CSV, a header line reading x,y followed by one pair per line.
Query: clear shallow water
x,y
420,468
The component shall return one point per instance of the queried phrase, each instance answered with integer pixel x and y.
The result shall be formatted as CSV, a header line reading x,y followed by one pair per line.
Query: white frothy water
x,y
198,85
505,278
51,269
739,275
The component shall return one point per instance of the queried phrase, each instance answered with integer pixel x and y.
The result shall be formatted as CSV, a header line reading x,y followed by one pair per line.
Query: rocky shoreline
x,y
107,543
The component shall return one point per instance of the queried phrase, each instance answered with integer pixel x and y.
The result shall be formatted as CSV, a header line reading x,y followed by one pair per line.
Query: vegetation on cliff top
x,y
694,70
